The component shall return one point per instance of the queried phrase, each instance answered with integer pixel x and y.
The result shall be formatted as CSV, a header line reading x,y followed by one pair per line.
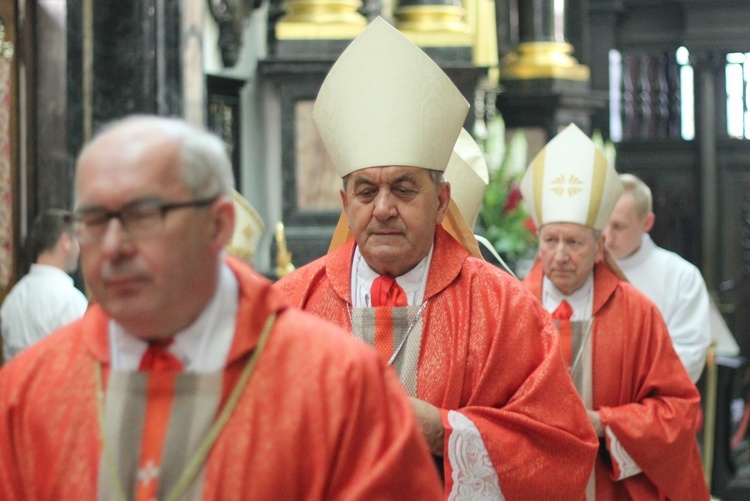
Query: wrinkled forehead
x,y
127,164
390,174
568,230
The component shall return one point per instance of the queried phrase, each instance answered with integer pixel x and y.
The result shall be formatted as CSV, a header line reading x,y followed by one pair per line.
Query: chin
x,y
381,253
127,309
561,285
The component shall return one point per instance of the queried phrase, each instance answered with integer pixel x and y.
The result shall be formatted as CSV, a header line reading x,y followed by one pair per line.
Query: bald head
x,y
200,156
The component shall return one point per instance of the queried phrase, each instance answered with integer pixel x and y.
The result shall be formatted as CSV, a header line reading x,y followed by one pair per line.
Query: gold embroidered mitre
x,y
571,181
248,229
385,102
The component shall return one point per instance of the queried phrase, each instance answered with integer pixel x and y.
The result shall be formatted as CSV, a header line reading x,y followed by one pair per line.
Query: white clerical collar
x,y
413,281
639,256
201,347
581,300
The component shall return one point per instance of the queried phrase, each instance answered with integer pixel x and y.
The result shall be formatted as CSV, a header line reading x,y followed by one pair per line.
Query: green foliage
x,y
606,147
504,219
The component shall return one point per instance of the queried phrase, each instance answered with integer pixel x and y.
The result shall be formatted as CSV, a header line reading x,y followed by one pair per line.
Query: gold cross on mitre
x,y
570,181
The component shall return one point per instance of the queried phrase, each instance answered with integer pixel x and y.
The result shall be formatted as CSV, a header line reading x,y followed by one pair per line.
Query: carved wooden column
x,y
320,19
433,23
650,100
541,83
542,51
707,65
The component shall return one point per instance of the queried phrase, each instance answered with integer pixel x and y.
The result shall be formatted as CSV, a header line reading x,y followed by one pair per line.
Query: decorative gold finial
x,y
284,264
320,19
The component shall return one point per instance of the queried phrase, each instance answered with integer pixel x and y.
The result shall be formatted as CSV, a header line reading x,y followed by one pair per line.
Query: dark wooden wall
x,y
698,184
701,187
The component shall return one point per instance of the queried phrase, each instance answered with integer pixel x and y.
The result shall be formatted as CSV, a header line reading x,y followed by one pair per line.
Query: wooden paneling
x,y
671,170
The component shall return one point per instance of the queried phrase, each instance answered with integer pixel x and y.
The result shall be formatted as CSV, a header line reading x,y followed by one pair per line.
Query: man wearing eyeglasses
x,y
190,378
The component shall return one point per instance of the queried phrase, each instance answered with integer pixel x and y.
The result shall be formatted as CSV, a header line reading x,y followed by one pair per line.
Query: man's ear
x,y
224,218
65,242
344,199
444,200
648,222
600,250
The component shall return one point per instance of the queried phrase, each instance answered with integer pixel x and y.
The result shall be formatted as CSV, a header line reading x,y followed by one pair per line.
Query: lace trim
x,y
474,476
624,464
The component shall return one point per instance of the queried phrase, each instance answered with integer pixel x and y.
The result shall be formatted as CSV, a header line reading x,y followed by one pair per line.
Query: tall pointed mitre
x,y
571,181
385,102
248,229
468,175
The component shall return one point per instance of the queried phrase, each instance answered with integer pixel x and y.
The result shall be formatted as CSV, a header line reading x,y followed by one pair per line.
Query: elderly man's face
x,y
392,213
568,252
155,285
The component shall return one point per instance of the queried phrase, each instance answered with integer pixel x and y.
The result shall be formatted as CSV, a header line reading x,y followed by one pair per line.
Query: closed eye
x,y
404,192
366,194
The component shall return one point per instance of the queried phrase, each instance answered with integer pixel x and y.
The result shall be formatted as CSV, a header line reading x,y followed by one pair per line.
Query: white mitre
x,y
468,175
248,229
385,102
571,181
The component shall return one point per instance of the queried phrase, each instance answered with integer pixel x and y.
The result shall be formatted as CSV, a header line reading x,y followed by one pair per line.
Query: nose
x,y
115,240
561,253
384,208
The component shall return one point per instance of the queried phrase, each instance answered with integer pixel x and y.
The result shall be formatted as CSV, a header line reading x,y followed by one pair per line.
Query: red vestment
x,y
490,352
310,424
642,393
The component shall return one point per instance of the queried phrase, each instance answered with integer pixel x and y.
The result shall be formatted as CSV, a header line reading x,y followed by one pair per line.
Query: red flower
x,y
529,224
514,198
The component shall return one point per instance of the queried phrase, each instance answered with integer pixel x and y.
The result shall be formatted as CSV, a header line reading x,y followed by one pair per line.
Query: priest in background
x,y
615,344
476,351
672,283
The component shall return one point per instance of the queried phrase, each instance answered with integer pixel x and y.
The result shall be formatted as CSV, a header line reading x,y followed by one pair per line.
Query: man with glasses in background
x,y
190,378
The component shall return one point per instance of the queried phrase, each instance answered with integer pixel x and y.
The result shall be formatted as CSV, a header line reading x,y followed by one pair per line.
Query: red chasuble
x,y
490,360
309,425
643,394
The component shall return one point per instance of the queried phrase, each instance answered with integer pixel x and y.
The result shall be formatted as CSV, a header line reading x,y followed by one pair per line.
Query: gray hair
x,y
436,177
640,192
205,166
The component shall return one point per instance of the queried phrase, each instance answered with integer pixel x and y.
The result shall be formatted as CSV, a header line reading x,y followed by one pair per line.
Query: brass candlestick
x,y
284,264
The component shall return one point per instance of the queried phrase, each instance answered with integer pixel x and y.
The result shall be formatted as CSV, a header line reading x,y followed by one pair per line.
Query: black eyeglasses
x,y
140,219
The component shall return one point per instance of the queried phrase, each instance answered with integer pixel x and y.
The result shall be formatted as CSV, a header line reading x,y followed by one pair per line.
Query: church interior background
x,y
666,83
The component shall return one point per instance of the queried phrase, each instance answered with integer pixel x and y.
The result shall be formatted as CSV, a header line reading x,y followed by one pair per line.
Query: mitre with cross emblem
x,y
571,181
